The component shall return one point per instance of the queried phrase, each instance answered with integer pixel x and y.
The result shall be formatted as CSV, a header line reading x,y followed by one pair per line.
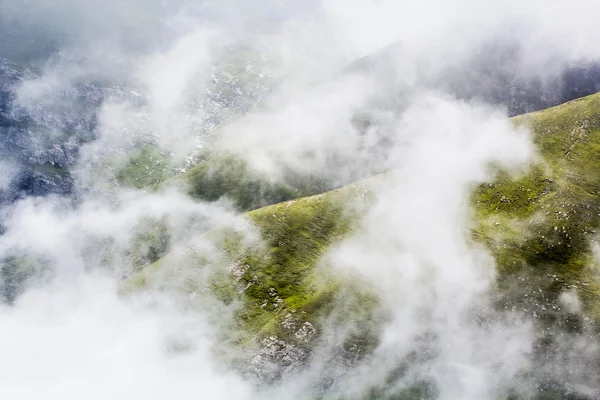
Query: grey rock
x,y
276,357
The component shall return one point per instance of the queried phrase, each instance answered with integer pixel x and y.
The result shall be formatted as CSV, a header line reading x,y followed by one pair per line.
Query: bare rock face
x,y
276,357
306,332
40,158
41,139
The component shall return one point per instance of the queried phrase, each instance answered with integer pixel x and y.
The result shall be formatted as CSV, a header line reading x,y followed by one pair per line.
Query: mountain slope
x,y
540,228
281,281
544,223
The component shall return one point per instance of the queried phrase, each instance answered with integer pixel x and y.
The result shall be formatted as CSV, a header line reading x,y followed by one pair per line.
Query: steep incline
x,y
540,227
544,224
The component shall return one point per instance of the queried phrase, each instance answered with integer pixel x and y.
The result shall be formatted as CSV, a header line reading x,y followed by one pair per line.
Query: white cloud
x,y
72,336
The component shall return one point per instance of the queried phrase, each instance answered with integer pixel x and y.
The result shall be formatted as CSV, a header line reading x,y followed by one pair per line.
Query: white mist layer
x,y
78,339
415,248
73,336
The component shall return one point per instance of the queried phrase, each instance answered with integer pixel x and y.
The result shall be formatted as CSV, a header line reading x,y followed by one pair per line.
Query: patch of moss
x,y
145,168
513,197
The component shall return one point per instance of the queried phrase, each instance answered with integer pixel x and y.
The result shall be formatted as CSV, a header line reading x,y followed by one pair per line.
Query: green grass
x,y
543,223
538,226
282,275
145,168
225,176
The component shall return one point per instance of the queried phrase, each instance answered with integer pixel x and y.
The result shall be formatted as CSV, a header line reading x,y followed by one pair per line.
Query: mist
x,y
334,91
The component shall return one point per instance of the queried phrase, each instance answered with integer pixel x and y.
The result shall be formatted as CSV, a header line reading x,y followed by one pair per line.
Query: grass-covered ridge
x,y
540,227
544,224
281,282
227,176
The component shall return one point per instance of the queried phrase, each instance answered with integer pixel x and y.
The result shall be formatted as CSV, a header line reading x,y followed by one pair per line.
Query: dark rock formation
x,y
42,139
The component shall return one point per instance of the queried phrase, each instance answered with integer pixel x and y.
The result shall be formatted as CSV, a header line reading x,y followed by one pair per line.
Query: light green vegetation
x,y
145,168
540,227
280,275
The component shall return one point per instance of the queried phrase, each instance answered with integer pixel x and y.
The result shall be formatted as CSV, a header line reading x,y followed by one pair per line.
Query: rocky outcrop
x,y
41,160
32,182
540,228
24,146
41,139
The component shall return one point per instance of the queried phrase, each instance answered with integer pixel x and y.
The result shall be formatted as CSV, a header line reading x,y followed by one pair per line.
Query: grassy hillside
x,y
281,286
226,176
540,228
